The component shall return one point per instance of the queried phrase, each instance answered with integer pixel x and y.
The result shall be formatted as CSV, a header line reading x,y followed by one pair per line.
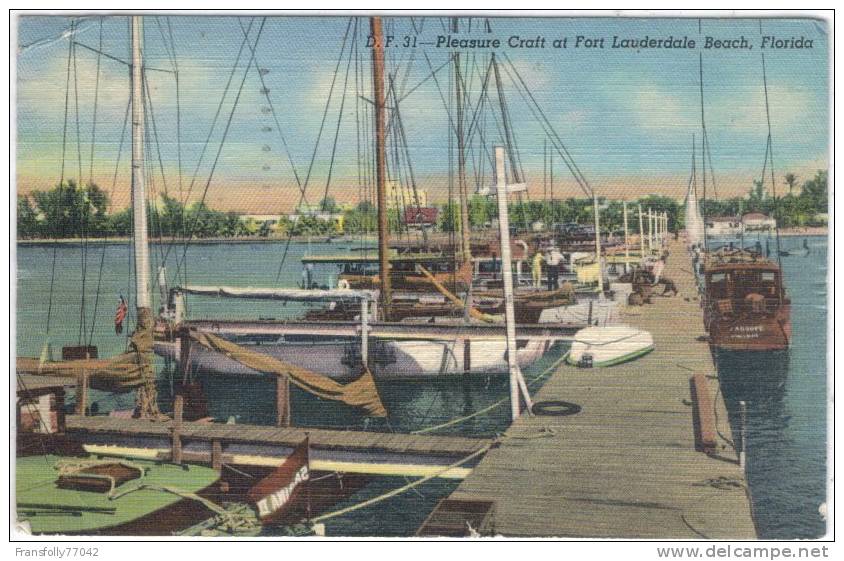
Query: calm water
x,y
786,408
786,396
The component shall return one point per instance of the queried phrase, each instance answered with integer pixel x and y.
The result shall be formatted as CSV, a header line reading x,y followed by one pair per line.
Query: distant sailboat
x,y
694,221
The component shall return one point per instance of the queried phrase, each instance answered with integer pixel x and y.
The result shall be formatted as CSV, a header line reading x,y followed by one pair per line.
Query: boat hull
x,y
751,333
339,359
607,346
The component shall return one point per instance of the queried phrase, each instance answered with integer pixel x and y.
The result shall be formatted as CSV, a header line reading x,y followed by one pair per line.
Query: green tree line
x,y
73,211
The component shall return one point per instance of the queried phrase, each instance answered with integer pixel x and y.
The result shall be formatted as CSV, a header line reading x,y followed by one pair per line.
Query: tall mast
x,y
381,162
461,157
147,395
139,207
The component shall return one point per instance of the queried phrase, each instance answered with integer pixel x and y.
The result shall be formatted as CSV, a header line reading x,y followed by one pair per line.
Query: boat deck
x,y
626,466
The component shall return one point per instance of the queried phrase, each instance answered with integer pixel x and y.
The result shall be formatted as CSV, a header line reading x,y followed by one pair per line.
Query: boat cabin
x,y
754,287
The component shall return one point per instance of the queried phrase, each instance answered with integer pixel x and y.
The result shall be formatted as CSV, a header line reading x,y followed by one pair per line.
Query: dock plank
x,y
626,465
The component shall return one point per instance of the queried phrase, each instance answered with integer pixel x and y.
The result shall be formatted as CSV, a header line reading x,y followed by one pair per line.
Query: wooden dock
x,y
364,452
626,466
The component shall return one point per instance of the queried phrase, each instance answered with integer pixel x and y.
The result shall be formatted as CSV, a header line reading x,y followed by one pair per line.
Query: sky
x,y
626,116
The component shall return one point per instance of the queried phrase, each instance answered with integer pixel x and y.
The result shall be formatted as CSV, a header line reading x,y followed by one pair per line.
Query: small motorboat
x,y
608,345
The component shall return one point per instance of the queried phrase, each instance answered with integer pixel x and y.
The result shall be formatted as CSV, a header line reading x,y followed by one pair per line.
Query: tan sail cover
x,y
359,393
117,374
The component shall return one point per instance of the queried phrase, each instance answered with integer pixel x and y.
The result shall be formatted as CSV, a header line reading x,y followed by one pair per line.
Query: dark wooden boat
x,y
745,303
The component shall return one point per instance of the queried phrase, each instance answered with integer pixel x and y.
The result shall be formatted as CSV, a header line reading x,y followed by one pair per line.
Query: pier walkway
x,y
626,465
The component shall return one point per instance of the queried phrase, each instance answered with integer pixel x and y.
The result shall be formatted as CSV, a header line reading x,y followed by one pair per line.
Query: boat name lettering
x,y
272,503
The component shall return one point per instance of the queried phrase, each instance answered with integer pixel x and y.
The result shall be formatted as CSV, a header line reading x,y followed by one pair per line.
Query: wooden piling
x,y
282,396
217,455
82,394
176,446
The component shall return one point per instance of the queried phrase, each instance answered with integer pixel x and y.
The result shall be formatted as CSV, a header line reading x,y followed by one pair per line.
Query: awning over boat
x,y
294,294
359,393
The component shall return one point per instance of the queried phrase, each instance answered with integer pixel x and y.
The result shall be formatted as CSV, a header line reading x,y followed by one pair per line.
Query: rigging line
x,y
111,197
149,116
431,75
559,144
222,143
316,146
155,136
339,119
96,99
272,110
83,249
771,154
175,63
562,150
117,59
186,196
703,142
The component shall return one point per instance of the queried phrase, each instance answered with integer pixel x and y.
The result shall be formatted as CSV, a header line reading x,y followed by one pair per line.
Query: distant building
x,y
269,219
402,196
756,221
421,217
315,211
723,226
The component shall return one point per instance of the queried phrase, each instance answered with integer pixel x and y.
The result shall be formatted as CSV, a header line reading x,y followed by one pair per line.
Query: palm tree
x,y
791,181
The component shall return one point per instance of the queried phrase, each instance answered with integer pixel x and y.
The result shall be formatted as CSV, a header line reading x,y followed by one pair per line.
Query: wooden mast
x,y
465,229
381,163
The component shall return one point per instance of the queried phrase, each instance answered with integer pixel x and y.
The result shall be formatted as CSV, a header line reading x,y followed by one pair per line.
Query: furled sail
x,y
359,393
120,373
694,221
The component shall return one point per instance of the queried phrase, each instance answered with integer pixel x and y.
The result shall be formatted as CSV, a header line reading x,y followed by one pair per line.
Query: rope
x,y
495,405
403,488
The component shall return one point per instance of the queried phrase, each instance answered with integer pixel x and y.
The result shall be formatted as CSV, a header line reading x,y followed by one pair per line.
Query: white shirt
x,y
554,258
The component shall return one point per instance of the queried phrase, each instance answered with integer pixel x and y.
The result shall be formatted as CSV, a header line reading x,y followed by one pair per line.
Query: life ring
x,y
343,284
554,408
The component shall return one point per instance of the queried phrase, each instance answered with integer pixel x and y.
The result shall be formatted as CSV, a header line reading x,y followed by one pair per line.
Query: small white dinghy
x,y
609,345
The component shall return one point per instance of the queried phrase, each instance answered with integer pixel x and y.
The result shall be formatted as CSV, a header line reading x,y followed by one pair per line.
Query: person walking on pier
x,y
536,269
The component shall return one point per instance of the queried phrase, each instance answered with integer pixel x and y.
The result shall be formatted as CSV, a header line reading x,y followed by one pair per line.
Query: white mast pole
x,y
139,207
626,241
516,380
641,233
598,244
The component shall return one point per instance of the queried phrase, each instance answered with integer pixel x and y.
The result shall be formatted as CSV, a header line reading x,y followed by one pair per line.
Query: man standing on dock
x,y
553,260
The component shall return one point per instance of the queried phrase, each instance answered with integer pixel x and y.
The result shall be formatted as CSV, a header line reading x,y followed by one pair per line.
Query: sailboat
x,y
693,219
746,307
60,489
334,348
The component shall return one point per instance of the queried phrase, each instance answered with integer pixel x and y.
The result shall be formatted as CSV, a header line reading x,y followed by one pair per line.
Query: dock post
x,y
282,396
184,355
82,394
743,451
641,234
217,455
364,331
467,355
178,411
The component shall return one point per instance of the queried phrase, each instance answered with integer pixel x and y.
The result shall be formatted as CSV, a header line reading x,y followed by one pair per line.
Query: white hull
x,y
391,359
601,312
607,346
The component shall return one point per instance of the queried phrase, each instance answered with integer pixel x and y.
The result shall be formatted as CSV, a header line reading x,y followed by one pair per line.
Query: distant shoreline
x,y
785,232
196,241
